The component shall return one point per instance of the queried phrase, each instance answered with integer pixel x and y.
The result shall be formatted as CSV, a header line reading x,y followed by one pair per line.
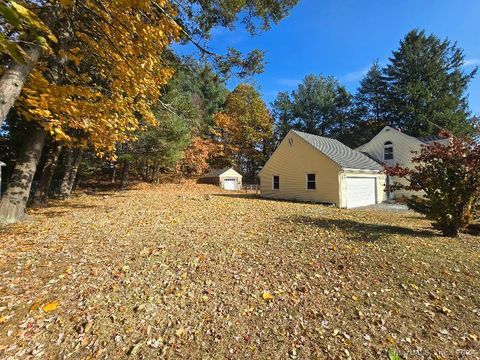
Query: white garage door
x,y
360,191
230,184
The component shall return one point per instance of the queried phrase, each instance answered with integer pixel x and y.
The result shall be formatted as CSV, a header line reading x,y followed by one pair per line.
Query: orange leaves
x,y
196,155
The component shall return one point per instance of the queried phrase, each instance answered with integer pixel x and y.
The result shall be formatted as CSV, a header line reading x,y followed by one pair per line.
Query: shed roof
x,y
341,154
219,172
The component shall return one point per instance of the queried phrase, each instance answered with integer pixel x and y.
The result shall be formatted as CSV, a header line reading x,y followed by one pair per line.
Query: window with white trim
x,y
276,182
388,151
311,183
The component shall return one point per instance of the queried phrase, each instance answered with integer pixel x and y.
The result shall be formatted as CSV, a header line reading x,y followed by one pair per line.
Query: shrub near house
x,y
449,176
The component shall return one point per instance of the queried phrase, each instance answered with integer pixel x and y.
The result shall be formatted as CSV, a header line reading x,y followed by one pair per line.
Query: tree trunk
x,y
72,162
74,172
41,194
154,172
123,181
13,79
14,201
66,175
114,173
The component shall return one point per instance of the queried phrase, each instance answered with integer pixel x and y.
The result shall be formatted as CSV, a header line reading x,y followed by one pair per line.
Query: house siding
x,y
403,148
291,163
232,176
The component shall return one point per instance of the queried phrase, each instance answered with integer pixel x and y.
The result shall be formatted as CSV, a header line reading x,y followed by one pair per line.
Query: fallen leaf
x,y
267,296
51,306
180,332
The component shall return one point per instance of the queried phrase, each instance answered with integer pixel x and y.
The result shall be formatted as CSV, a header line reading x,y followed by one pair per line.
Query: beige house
x,y
312,168
227,178
391,147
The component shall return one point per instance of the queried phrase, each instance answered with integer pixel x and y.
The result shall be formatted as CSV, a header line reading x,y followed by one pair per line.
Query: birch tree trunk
x,y
14,201
13,79
41,194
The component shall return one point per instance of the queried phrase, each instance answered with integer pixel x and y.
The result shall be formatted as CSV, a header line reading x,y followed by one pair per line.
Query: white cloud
x,y
354,75
288,82
471,62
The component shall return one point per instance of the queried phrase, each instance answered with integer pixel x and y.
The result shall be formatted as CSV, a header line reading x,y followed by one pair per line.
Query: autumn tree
x,y
245,129
98,67
98,104
448,177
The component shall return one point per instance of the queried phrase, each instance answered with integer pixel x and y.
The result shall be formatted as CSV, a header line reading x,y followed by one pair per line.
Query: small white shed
x,y
227,178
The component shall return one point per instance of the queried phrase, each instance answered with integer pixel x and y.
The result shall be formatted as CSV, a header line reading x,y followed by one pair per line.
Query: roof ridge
x,y
341,154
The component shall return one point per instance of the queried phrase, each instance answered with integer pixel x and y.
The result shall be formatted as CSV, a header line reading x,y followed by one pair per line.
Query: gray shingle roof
x,y
341,154
430,138
216,172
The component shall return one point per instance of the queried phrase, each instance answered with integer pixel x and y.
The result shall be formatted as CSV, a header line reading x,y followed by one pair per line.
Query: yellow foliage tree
x,y
99,85
112,77
245,128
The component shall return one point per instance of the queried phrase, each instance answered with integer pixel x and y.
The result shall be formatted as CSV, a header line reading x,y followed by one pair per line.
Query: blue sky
x,y
343,37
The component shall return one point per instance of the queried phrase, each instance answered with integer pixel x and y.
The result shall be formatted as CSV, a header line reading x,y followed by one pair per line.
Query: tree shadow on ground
x,y
72,206
258,197
364,232
240,196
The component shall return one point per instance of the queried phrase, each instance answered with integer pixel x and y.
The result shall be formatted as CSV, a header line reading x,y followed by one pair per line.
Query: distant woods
x,y
421,90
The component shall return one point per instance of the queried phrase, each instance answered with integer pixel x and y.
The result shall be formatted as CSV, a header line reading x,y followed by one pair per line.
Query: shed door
x,y
361,191
230,184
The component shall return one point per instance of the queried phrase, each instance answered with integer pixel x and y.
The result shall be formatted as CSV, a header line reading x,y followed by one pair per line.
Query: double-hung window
x,y
311,183
276,182
388,151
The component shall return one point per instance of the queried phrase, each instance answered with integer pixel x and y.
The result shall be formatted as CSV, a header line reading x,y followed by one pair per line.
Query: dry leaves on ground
x,y
182,271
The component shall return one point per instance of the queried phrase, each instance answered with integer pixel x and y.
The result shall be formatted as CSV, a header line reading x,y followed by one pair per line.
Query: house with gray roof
x,y
392,147
313,168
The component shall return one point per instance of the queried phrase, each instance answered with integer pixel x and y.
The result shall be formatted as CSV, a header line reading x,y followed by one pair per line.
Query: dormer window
x,y
388,151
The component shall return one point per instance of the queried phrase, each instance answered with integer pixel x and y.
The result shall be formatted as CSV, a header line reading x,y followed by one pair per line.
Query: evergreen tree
x,y
370,111
427,86
319,106
282,110
370,101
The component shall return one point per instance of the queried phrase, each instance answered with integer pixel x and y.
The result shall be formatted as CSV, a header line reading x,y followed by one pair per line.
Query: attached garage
x,y
307,167
226,178
361,191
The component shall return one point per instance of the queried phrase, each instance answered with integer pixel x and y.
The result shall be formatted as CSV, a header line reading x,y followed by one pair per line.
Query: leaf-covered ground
x,y
190,272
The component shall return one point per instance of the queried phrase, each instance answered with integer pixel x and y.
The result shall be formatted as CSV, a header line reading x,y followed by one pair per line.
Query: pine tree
x,y
282,111
371,98
319,105
427,86
370,111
